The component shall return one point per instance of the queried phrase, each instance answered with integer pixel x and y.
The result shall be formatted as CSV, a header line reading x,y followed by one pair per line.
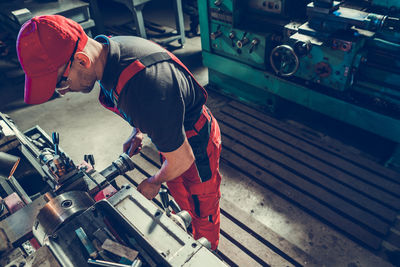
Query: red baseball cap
x,y
44,44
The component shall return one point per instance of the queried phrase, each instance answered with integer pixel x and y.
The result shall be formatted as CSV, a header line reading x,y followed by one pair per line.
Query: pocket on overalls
x,y
205,205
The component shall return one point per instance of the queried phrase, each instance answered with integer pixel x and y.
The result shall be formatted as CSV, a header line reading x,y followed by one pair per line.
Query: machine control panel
x,y
221,10
247,47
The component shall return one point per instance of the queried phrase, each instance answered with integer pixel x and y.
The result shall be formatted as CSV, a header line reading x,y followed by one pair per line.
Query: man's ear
x,y
83,59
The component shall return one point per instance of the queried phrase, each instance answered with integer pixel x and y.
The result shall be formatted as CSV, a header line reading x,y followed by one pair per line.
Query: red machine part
x,y
342,45
323,69
106,193
35,244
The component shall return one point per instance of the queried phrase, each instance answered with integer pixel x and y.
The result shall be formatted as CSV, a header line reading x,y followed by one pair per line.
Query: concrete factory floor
x,y
85,127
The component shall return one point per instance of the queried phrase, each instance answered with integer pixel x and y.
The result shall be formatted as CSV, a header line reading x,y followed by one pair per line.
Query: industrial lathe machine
x,y
54,213
339,58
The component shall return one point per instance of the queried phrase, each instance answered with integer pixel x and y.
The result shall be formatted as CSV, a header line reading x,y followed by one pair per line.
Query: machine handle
x,y
89,159
284,60
56,140
165,199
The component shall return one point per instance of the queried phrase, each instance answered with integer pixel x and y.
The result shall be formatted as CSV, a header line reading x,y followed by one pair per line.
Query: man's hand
x,y
133,145
149,189
176,163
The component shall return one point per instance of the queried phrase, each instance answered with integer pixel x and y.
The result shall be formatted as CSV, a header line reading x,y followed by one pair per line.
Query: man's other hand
x,y
133,145
149,189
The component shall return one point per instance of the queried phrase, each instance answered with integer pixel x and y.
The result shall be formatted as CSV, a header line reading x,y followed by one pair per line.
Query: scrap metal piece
x,y
86,242
119,250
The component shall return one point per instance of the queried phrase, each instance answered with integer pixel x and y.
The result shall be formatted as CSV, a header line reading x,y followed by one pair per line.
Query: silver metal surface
x,y
19,190
19,225
164,235
185,216
58,210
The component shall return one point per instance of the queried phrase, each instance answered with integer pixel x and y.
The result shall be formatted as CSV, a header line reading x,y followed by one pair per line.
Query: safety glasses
x,y
63,83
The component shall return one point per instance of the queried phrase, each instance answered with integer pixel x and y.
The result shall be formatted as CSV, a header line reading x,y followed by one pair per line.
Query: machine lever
x,y
232,36
253,45
174,206
242,42
217,2
165,200
56,140
89,159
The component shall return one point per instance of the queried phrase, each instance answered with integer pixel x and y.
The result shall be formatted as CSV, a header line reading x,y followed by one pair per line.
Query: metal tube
x,y
106,263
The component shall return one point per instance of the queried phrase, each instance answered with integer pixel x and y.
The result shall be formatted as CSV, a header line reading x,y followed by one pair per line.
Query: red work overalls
x,y
198,189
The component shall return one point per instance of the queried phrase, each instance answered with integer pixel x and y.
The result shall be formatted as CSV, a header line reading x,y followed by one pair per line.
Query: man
x,y
148,87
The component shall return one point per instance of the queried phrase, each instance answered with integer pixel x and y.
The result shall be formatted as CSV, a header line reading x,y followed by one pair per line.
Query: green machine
x,y
341,59
391,5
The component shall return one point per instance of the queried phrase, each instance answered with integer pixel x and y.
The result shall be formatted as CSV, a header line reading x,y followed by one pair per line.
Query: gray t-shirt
x,y
162,100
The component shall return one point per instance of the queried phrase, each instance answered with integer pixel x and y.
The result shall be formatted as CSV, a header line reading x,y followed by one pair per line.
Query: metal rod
x,y
106,263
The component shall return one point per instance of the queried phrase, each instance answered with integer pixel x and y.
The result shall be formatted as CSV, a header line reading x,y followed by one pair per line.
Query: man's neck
x,y
102,61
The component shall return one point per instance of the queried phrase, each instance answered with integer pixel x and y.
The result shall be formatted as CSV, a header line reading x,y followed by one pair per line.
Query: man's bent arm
x,y
175,164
